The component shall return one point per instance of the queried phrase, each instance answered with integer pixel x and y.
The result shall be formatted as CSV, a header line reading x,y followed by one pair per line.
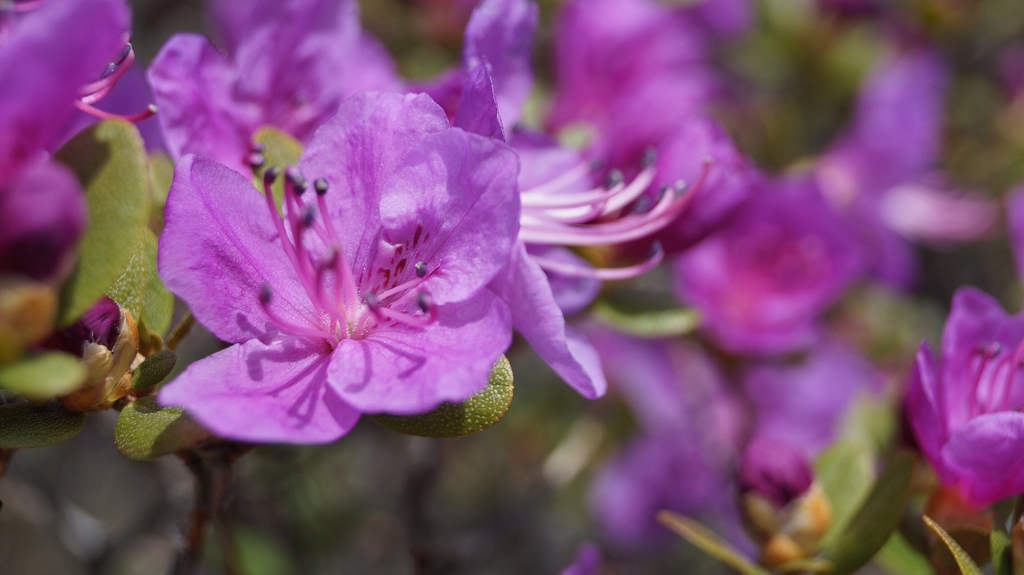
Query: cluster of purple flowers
x,y
426,221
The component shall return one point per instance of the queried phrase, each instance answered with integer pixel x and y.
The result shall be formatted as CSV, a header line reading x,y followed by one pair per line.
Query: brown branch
x,y
211,465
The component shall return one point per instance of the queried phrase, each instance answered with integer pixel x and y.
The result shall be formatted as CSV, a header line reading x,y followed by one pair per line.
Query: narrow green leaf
x,y
898,557
647,315
1002,554
967,566
709,542
154,369
479,412
871,527
146,431
279,149
845,471
23,425
43,376
110,162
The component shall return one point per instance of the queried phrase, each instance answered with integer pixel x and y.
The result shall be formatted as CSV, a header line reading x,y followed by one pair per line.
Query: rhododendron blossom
x,y
368,295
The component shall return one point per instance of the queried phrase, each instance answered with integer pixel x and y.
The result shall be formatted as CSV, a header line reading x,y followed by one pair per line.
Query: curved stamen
x,y
103,115
634,190
266,294
575,270
626,228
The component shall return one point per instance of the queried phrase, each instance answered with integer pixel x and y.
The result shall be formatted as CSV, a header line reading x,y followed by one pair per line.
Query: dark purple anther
x,y
421,269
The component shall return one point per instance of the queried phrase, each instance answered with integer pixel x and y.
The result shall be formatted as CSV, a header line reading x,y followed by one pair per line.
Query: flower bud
x,y
783,508
107,340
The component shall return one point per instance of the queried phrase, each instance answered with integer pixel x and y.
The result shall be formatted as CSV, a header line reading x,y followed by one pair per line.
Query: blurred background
x,y
515,498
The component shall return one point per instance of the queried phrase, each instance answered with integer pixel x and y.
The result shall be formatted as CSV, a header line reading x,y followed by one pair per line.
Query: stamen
x,y
656,255
266,294
102,115
320,185
421,269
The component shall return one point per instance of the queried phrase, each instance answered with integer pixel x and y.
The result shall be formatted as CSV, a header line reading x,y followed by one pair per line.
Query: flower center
x,y
343,309
993,372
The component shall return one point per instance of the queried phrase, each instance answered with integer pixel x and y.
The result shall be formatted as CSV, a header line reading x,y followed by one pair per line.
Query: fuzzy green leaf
x,y
876,519
146,431
23,426
898,557
967,565
709,542
139,288
154,369
110,162
479,412
43,376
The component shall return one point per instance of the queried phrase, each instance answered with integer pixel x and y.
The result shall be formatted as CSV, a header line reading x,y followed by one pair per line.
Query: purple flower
x,y
774,470
879,172
762,280
586,562
631,69
52,52
635,73
370,295
803,404
965,405
689,430
287,64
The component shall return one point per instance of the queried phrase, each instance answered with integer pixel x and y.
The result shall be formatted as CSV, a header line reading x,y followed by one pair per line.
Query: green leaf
x,y
1002,553
479,412
139,288
161,173
845,471
158,305
871,527
709,542
129,289
805,566
967,566
23,425
44,375
146,431
154,369
646,315
279,149
899,557
110,162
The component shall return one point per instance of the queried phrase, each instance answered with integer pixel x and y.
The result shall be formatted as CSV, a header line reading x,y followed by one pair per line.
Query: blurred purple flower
x,y
803,404
632,70
774,470
880,171
368,296
965,406
635,73
762,281
586,562
45,61
689,432
287,64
